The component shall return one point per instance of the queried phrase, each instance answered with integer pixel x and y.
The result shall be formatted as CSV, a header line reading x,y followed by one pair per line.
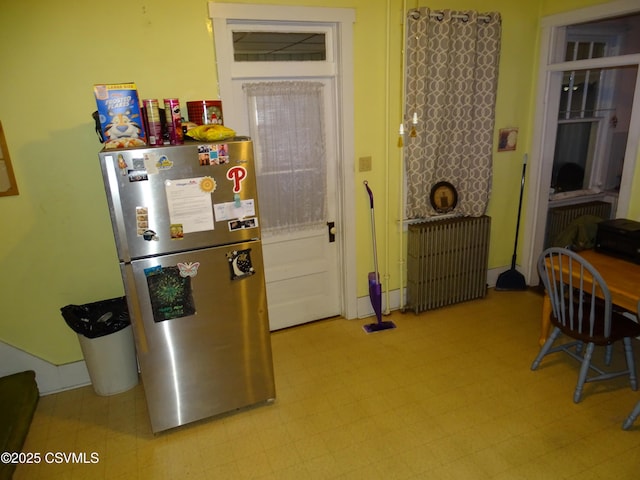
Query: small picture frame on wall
x,y
8,185
507,139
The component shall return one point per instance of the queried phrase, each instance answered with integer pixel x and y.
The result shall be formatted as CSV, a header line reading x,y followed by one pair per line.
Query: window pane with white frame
x,y
594,110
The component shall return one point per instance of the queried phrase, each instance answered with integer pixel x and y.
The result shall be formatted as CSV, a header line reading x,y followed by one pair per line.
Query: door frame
x,y
341,21
544,130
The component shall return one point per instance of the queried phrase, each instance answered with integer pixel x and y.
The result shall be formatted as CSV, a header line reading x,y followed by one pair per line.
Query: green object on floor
x,y
579,235
18,400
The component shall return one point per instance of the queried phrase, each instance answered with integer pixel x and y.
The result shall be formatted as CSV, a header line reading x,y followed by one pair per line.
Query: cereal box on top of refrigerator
x,y
120,116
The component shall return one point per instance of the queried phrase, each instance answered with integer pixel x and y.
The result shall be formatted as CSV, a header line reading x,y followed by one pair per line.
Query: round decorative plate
x,y
443,197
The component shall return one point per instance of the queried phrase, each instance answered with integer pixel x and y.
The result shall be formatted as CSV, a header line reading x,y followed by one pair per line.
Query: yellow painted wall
x,y
57,247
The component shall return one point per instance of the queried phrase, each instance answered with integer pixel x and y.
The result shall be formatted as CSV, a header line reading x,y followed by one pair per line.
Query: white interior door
x,y
308,270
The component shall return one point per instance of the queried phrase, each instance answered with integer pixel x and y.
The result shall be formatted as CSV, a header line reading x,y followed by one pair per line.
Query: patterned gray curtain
x,y
451,78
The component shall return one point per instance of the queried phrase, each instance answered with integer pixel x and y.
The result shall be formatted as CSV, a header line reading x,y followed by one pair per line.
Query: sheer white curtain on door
x,y
451,81
287,128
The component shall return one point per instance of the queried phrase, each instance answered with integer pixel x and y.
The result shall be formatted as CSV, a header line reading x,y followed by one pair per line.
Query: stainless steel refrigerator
x,y
186,224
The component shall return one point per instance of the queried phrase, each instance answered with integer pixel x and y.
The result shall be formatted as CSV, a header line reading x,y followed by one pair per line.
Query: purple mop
x,y
375,287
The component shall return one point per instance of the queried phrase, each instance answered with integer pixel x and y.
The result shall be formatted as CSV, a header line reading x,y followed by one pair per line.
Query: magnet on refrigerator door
x,y
243,224
164,163
208,185
122,165
150,161
142,220
237,175
188,269
223,153
171,294
138,175
231,211
213,154
240,264
176,231
135,169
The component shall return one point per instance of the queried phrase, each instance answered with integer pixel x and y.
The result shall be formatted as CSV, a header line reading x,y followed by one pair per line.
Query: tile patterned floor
x,y
446,395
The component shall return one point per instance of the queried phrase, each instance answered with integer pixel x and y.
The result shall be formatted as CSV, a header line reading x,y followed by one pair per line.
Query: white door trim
x,y
544,132
342,19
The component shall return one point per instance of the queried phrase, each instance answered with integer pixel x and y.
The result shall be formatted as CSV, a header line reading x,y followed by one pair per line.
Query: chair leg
x,y
608,354
632,417
584,369
631,364
545,348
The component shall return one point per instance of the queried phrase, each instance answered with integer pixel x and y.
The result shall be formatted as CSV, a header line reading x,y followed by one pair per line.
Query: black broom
x,y
512,279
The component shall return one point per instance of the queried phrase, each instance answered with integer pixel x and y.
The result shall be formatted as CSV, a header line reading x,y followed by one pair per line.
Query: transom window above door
x,y
252,46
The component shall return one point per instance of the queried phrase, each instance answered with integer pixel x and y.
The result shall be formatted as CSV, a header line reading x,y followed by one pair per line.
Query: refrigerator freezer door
x,y
172,199
202,332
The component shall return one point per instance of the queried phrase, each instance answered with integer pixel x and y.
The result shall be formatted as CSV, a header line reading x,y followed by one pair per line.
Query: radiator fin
x,y
559,218
447,261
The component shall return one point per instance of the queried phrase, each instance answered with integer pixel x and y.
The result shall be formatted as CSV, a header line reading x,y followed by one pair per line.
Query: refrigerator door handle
x,y
121,238
135,312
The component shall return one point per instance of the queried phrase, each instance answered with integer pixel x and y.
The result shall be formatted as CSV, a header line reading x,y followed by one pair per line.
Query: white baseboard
x,y
49,377
365,309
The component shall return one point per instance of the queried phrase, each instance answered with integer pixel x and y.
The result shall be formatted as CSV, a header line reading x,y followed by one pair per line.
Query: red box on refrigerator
x,y
205,112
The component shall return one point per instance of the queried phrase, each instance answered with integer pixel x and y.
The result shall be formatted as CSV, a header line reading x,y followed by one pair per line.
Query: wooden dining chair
x,y
632,417
636,410
582,310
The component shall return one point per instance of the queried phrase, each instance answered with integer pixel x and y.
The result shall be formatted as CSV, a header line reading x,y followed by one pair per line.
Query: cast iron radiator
x,y
447,261
559,218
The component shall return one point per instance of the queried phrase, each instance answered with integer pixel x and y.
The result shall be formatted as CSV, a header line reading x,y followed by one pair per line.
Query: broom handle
x,y
373,231
515,247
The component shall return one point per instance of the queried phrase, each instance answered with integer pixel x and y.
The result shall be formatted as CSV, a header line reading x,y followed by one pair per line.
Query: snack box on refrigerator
x,y
120,116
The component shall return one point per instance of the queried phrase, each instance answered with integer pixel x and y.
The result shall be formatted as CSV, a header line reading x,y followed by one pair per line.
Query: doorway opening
x,y
588,125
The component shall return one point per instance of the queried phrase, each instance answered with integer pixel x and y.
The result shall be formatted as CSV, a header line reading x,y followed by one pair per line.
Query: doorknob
x,y
332,231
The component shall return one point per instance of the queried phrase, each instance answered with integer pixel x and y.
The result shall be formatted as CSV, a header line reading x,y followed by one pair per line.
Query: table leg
x,y
546,323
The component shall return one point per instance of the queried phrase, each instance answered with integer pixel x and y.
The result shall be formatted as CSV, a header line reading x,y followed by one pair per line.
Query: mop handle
x,y
366,185
373,230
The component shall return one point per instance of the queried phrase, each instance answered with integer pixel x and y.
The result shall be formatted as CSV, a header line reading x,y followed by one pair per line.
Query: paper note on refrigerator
x,y
229,210
189,205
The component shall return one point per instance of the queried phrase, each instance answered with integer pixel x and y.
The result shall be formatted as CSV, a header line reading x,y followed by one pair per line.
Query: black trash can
x,y
106,339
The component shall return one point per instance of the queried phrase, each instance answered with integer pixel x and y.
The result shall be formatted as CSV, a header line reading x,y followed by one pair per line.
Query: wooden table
x,y
623,280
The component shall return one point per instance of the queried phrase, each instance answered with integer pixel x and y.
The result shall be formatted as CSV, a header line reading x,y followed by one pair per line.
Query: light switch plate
x,y
364,164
